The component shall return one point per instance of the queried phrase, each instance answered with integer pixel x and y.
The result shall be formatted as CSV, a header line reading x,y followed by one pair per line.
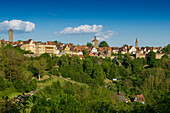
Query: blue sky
x,y
121,20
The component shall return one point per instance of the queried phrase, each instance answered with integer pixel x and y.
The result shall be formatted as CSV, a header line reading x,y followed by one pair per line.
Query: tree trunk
x,y
39,76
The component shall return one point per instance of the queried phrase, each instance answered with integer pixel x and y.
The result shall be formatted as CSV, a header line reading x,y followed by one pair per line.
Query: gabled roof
x,y
140,98
3,40
50,43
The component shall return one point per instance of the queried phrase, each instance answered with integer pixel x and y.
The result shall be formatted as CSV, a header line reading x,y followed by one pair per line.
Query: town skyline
x,y
117,22
102,49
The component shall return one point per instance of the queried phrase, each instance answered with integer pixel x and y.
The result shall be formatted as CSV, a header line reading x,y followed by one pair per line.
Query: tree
x,y
127,60
125,45
55,41
120,58
88,66
85,54
48,60
165,63
40,65
98,74
2,85
166,49
151,58
19,41
164,57
89,44
137,66
33,85
106,68
13,61
103,44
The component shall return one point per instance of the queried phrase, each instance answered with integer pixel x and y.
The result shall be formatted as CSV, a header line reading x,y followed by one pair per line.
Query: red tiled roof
x,y
95,39
10,30
109,48
50,43
3,40
140,98
100,49
84,46
90,54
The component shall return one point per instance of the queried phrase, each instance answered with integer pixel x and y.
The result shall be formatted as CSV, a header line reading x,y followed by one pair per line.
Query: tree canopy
x,y
103,44
89,44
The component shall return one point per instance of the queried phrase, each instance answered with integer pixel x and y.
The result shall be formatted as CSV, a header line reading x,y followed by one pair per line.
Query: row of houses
x,y
51,47
32,46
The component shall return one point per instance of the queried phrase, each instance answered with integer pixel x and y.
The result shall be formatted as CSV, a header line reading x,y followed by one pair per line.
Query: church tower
x,y
95,43
136,43
10,35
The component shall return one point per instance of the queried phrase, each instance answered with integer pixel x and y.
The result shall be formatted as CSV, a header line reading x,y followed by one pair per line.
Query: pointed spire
x,y
136,43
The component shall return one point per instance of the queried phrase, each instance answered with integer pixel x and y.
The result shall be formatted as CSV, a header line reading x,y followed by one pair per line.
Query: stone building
x,y
95,42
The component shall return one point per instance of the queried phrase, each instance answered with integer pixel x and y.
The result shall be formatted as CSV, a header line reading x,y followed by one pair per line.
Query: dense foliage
x,y
87,85
166,49
103,44
89,44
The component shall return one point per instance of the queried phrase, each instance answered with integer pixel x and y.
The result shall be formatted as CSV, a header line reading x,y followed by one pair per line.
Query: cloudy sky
x,y
77,21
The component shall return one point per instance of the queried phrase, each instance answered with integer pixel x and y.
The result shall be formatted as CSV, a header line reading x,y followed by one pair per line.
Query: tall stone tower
x,y
10,35
95,43
109,51
136,43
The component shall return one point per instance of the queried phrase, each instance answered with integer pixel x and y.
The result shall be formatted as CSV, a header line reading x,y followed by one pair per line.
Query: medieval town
x,y
53,47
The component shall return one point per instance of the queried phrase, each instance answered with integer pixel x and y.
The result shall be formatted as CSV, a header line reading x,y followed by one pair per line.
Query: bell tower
x,y
10,35
95,43
136,43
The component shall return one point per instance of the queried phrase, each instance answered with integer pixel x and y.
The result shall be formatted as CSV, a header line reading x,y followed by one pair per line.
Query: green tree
x,y
89,44
88,66
2,85
98,74
151,58
85,54
166,49
137,66
48,59
127,60
106,68
103,44
33,84
55,41
40,65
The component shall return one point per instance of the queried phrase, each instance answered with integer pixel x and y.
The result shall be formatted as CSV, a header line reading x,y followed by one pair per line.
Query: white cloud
x,y
105,35
18,25
82,29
